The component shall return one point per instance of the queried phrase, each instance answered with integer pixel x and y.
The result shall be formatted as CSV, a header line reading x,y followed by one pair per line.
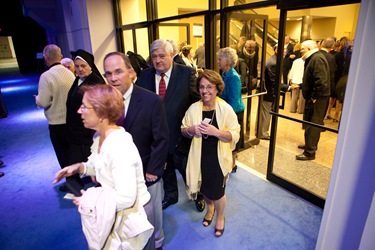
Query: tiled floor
x,y
311,175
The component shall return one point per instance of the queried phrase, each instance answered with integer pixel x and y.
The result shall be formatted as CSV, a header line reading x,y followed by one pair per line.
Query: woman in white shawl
x,y
212,124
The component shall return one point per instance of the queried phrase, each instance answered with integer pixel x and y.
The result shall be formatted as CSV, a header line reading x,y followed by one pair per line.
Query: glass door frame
x,y
285,6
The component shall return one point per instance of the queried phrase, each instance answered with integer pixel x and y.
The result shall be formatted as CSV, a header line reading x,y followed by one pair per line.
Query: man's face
x,y
304,49
250,47
161,60
83,69
117,74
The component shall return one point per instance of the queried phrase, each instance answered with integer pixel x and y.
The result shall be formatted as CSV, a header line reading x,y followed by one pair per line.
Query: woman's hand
x,y
67,171
207,129
76,200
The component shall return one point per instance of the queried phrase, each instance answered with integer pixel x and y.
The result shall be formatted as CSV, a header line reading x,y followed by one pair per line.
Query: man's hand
x,y
151,177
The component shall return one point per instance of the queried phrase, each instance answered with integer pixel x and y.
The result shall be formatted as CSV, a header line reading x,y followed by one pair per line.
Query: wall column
x,y
306,28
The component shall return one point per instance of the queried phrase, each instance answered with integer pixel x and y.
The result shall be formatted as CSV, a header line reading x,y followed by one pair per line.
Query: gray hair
x,y
310,44
229,54
176,49
161,44
52,52
328,43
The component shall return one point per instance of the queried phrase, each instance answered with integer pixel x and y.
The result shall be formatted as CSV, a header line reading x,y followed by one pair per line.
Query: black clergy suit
x,y
180,94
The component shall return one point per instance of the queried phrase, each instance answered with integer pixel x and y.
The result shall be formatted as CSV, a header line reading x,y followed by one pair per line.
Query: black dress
x,y
213,186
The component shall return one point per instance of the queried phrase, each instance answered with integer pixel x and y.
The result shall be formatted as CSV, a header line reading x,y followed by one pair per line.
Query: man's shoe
x,y
2,174
167,203
1,163
303,157
302,146
200,203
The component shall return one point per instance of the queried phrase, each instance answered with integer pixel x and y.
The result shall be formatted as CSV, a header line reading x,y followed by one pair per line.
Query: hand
x,y
207,129
76,200
196,130
151,177
66,172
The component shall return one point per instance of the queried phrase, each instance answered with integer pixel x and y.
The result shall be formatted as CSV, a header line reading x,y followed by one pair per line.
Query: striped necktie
x,y
162,86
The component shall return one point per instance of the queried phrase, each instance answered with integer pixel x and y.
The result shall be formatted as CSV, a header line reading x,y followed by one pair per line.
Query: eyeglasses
x,y
83,108
208,87
117,72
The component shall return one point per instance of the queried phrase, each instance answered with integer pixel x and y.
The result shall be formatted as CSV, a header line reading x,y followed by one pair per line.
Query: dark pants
x,y
170,180
241,142
3,109
57,134
78,153
314,112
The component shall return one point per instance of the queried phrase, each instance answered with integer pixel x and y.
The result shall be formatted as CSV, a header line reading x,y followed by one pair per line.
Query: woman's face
x,y
89,118
82,68
223,64
207,91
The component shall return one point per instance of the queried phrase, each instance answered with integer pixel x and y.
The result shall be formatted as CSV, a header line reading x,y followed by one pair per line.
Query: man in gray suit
x,y
180,93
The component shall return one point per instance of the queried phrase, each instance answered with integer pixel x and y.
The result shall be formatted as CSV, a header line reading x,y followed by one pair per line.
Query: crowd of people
x,y
127,131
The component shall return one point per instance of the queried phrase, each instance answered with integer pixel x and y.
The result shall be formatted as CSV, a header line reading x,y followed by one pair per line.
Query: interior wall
x,y
102,29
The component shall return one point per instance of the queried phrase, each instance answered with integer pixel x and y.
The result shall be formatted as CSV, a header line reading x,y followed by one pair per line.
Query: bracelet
x,y
187,132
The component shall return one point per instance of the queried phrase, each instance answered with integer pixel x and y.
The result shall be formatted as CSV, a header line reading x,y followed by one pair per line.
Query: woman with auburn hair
x,y
116,163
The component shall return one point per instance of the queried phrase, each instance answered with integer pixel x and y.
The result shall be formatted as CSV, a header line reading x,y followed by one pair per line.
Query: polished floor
x,y
311,175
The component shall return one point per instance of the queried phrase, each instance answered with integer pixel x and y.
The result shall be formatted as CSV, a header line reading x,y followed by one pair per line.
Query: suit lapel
x,y
134,106
172,84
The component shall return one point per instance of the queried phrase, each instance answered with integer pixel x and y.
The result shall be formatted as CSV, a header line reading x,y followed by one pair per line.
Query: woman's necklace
x,y
212,119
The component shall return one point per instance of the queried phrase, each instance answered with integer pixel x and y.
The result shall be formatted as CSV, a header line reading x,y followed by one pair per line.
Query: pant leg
x,y
57,134
312,134
301,102
241,142
170,180
3,109
149,209
266,118
78,153
156,191
293,101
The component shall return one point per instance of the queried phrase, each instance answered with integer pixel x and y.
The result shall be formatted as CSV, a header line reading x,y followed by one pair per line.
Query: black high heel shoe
x,y
221,231
207,221
234,169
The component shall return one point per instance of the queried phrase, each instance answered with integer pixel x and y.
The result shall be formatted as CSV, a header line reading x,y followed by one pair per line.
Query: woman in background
x,y
227,60
213,127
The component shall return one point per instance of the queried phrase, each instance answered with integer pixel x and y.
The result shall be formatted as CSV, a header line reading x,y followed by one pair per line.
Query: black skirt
x,y
213,186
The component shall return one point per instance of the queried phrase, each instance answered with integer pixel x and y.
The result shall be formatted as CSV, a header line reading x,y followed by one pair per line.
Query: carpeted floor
x,y
34,215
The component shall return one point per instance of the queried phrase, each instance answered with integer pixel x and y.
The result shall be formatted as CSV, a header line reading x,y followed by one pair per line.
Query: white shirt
x,y
119,166
296,72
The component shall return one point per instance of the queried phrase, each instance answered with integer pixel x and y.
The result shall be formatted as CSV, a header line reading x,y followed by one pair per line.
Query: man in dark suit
x,y
180,93
288,58
145,119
